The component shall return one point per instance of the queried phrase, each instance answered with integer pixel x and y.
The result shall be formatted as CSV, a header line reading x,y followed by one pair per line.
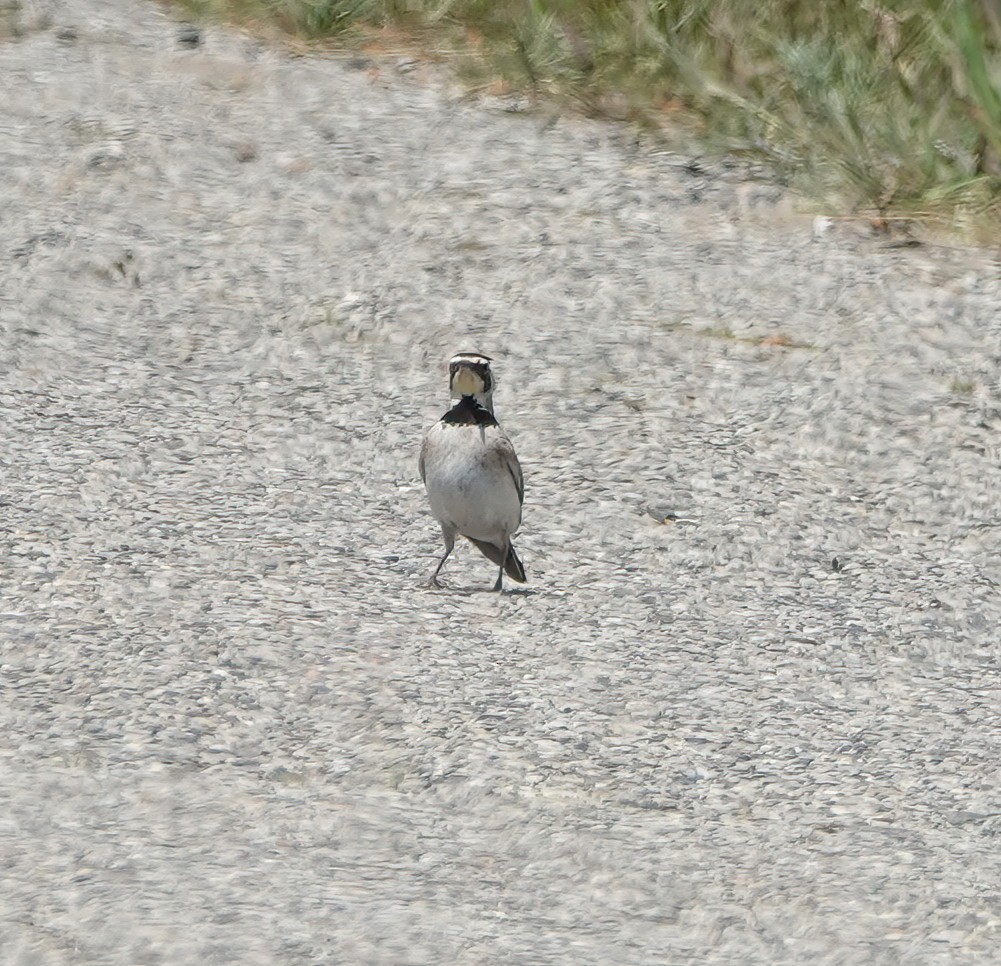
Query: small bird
x,y
472,475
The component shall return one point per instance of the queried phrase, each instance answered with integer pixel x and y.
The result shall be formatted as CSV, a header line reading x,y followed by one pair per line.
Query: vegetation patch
x,y
892,107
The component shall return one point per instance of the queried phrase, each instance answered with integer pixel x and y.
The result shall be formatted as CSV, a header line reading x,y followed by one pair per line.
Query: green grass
x,y
889,107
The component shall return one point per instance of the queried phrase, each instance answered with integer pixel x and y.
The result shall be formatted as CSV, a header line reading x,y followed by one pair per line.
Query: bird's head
x,y
469,375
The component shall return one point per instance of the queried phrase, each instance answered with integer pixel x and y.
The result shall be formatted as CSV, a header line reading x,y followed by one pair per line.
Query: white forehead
x,y
469,358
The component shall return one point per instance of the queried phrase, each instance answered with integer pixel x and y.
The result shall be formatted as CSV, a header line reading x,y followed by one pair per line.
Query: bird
x,y
471,472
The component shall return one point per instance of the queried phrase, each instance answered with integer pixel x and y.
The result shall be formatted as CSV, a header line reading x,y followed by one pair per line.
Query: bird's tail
x,y
513,566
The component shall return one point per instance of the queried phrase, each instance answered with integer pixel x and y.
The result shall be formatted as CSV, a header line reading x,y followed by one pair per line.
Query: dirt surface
x,y
745,711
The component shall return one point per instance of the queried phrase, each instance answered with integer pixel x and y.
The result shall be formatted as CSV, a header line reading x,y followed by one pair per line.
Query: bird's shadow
x,y
474,591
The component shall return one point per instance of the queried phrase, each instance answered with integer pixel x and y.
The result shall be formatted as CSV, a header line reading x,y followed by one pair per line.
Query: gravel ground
x,y
745,711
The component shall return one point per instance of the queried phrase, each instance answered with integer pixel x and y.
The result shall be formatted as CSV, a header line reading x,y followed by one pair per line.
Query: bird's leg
x,y
449,544
499,586
433,579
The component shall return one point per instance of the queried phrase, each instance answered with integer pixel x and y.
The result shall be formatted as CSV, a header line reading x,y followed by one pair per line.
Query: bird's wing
x,y
513,466
420,461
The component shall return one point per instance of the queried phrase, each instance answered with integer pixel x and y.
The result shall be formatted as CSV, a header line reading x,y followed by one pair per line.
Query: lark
x,y
471,472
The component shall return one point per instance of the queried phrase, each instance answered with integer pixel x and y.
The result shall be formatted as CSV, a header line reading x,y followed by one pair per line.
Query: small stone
x,y
245,151
294,165
106,156
188,35
821,226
